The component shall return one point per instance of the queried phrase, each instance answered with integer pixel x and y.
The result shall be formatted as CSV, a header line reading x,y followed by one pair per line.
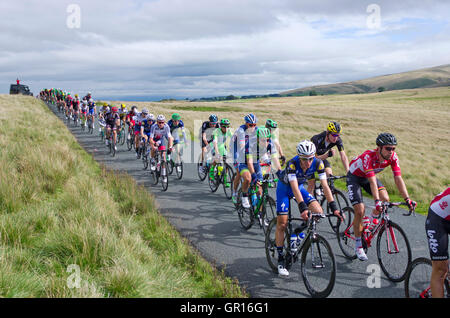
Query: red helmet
x,y
115,109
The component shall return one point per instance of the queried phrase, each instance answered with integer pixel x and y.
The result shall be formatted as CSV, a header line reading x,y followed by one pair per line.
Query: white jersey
x,y
441,204
157,133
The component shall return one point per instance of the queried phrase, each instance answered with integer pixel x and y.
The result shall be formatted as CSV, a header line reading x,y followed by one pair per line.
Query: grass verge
x,y
71,228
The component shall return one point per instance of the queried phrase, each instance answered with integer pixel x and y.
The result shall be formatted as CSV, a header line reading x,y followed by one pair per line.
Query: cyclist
x,y
299,170
206,136
325,142
176,126
146,125
130,122
84,110
158,133
250,170
272,125
221,139
238,145
112,122
92,109
138,119
361,175
68,106
437,227
76,105
122,113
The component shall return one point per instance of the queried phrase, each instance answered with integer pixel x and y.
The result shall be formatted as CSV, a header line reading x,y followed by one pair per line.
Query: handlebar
x,y
392,204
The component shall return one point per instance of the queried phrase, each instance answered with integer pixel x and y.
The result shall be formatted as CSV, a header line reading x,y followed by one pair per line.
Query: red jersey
x,y
367,164
441,204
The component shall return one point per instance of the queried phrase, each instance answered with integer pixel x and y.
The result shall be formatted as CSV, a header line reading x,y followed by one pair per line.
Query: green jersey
x,y
222,139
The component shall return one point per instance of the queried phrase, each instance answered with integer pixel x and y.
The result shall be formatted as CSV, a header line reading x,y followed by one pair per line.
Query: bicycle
x,y
144,149
340,199
101,129
90,124
161,170
111,144
267,169
75,118
418,277
319,270
130,137
394,256
262,209
174,164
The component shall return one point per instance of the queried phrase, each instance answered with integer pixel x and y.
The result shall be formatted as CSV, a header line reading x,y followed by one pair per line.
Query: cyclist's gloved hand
x,y
378,205
411,204
303,208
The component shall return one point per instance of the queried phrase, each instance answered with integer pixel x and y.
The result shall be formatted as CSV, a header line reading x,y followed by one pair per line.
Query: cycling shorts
x,y
243,167
438,230
91,111
355,185
284,194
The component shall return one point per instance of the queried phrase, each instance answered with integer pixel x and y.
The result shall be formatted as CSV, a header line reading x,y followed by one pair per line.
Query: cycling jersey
x,y
138,119
206,129
437,226
222,140
175,129
322,146
294,171
367,164
111,118
440,205
157,133
147,124
241,139
76,104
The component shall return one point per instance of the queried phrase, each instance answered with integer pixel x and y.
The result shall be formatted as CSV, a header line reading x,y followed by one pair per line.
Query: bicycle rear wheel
x,y
341,202
418,277
213,179
318,270
395,255
179,169
269,212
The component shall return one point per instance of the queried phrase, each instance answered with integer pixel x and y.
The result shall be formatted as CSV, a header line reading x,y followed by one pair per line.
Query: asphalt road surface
x,y
210,222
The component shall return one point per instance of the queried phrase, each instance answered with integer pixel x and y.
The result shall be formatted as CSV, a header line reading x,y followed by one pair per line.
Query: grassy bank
x,y
419,118
69,228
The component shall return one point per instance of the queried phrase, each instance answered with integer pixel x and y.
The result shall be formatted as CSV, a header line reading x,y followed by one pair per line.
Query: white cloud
x,y
206,48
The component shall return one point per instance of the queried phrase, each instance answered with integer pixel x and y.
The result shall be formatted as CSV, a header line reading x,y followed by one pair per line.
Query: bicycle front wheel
x,y
164,176
346,235
418,278
318,266
227,179
393,252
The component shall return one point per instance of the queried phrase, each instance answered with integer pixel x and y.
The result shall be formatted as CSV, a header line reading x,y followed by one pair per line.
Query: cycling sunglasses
x,y
389,148
307,159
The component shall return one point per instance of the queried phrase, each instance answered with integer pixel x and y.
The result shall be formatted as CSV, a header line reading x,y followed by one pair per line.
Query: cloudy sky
x,y
152,49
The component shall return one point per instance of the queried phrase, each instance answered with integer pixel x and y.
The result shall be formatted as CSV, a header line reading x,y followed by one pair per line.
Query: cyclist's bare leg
x,y
359,214
438,276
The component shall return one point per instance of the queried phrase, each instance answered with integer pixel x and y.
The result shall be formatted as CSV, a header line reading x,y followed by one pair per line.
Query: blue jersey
x,y
172,126
293,170
147,124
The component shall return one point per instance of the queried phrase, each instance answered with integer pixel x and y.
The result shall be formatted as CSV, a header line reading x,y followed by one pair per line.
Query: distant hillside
x,y
429,77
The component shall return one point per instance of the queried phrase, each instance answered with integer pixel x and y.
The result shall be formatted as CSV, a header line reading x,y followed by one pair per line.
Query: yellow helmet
x,y
105,104
123,106
334,127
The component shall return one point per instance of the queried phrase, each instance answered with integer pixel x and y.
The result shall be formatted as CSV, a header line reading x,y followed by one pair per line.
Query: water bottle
x,y
293,242
366,223
254,198
373,224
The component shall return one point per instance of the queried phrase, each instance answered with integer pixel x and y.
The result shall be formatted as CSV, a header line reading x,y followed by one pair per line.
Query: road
x,y
209,221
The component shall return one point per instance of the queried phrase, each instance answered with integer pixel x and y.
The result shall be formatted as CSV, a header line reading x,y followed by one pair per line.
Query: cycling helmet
x,y
334,127
91,100
263,132
105,104
161,118
225,122
250,119
144,111
213,119
384,139
123,106
271,124
115,109
306,148
76,95
151,117
176,116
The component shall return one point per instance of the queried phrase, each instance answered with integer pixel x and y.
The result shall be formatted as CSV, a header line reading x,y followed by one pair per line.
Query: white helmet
x,y
306,148
151,117
91,100
145,111
161,118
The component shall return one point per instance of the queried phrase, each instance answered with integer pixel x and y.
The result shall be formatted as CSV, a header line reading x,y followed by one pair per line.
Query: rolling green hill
x,y
430,77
